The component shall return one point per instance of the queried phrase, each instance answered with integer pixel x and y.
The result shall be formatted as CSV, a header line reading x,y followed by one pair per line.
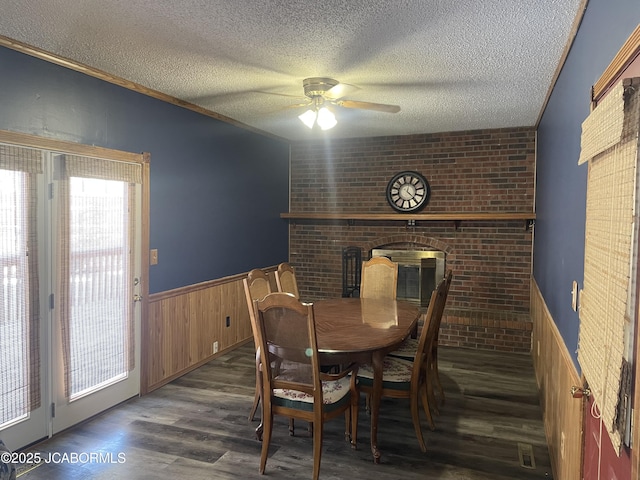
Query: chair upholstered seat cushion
x,y
334,394
397,374
407,350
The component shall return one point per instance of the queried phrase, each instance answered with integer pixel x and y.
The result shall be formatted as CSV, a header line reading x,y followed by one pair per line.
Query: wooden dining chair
x,y
286,279
409,348
433,365
293,384
408,379
256,286
379,278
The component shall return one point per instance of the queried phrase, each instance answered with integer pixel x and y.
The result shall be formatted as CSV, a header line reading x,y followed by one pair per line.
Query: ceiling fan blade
x,y
298,105
286,108
340,90
278,94
380,107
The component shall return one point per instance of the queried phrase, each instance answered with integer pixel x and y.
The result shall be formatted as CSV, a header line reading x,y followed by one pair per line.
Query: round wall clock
x,y
408,191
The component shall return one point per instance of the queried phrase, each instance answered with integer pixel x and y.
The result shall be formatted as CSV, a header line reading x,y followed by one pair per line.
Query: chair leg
x,y
347,425
426,406
317,449
434,379
260,427
258,393
354,421
415,416
436,376
256,402
267,419
292,428
433,403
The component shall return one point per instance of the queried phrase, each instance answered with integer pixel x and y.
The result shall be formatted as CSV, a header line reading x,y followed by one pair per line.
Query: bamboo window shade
x,y
108,297
19,301
607,302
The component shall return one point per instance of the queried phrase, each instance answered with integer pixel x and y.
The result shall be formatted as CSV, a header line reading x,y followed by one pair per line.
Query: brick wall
x,y
476,171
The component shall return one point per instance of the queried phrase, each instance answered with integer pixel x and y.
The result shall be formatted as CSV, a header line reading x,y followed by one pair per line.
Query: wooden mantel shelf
x,y
413,216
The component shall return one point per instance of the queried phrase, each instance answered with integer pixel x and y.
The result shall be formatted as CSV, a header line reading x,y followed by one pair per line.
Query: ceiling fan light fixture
x,y
326,119
322,117
308,118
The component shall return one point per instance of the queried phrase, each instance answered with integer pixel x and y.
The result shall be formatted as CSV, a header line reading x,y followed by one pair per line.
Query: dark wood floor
x,y
196,427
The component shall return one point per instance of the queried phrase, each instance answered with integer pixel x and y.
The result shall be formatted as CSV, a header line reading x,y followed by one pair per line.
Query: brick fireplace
x,y
481,171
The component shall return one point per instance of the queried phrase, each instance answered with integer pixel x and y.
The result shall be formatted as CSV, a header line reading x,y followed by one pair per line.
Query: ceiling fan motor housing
x,y
318,86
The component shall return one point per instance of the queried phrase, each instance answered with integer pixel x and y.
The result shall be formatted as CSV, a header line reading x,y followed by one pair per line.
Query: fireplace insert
x,y
419,272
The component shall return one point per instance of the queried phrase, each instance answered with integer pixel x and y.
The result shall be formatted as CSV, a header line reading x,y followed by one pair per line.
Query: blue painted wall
x,y
213,185
561,183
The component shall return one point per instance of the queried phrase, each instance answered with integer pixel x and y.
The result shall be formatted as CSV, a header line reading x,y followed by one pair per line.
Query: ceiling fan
x,y
322,90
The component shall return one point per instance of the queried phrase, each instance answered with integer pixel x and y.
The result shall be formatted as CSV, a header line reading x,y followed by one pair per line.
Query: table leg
x,y
376,395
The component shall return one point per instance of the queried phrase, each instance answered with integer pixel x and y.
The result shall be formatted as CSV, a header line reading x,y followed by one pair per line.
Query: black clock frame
x,y
391,186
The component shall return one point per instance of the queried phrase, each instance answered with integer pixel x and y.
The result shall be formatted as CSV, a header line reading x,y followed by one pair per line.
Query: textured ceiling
x,y
450,65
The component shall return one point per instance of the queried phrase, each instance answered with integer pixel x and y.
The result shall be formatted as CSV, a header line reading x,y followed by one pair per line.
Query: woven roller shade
x,y
607,300
603,128
19,302
20,159
87,250
86,167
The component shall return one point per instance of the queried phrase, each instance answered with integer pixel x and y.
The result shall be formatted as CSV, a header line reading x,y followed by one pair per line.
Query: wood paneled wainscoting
x,y
556,374
184,323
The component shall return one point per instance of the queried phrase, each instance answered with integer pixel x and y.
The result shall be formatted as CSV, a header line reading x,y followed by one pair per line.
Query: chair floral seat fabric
x,y
334,393
407,350
397,374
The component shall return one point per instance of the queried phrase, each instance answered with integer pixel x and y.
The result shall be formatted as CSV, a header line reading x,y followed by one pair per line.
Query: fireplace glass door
x,y
419,272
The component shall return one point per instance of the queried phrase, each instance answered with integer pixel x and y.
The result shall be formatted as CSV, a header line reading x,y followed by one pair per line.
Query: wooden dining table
x,y
363,330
